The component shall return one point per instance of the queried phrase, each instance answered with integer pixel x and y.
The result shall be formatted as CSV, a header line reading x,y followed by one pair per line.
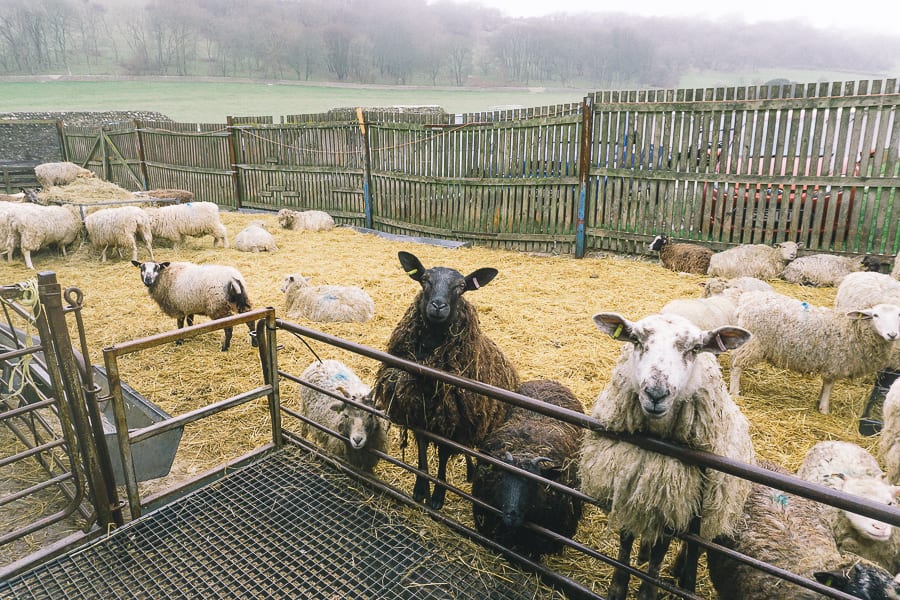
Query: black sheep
x,y
541,445
440,330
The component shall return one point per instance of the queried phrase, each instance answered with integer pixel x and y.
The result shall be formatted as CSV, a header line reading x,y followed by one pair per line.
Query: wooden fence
x,y
815,163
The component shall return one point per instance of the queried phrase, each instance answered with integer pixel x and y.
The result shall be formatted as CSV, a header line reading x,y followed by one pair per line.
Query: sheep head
x,y
665,348
442,287
150,271
658,242
885,320
356,424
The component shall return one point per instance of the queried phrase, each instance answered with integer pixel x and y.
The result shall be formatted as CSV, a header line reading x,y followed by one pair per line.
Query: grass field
x,y
211,102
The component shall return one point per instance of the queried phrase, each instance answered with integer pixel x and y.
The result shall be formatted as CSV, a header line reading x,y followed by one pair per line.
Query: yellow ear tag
x,y
618,332
412,272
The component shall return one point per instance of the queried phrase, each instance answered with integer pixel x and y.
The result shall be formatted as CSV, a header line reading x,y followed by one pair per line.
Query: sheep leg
x,y
658,551
437,498
27,255
227,343
180,321
421,490
735,387
618,587
825,395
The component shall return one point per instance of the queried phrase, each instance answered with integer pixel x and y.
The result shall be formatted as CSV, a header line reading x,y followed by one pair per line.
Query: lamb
x,y
687,258
787,531
255,237
795,335
119,228
183,289
889,443
31,227
667,383
849,468
305,220
540,445
195,219
441,330
26,195
862,290
753,260
326,303
823,270
362,429
60,173
717,285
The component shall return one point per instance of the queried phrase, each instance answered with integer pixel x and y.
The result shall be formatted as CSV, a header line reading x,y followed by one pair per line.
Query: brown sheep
x,y
682,257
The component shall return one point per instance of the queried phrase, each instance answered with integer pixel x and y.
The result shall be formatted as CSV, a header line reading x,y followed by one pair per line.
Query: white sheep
x,y
713,311
823,270
667,384
795,335
255,237
847,467
31,227
60,173
195,219
788,532
862,290
183,289
753,260
326,303
889,443
717,285
362,429
305,220
119,228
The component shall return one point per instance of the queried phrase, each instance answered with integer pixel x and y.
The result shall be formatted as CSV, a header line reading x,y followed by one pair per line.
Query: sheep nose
x,y
657,393
892,335
358,441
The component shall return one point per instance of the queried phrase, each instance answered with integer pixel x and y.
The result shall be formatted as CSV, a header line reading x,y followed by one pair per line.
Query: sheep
x,y
255,238
326,303
60,173
862,290
795,335
362,429
440,329
849,468
180,196
26,195
194,219
119,228
889,443
787,531
823,270
706,313
753,260
540,445
305,220
717,285
183,289
687,258
31,227
667,383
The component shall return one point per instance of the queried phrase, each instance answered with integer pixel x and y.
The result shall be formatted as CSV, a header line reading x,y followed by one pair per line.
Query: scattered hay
x,y
85,191
538,310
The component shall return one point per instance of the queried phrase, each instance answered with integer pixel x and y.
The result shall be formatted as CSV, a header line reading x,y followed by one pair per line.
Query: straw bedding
x,y
538,311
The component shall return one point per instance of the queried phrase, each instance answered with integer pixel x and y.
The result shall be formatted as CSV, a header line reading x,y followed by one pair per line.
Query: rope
x,y
28,298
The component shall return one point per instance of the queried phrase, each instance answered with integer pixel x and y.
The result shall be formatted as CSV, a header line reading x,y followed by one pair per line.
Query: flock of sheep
x,y
667,383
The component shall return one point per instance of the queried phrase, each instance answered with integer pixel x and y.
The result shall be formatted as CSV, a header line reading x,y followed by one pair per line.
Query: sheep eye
x,y
697,349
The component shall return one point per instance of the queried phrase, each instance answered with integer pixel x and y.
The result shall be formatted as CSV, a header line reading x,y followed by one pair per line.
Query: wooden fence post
x,y
367,168
141,159
584,172
232,157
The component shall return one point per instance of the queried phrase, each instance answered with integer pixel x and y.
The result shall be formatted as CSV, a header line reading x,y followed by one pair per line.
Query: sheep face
x,y
356,424
885,319
788,250
518,493
664,351
289,280
862,581
150,271
442,287
871,264
874,489
658,242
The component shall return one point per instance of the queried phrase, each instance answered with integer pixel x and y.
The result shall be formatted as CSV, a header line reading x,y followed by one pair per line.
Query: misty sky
x,y
882,16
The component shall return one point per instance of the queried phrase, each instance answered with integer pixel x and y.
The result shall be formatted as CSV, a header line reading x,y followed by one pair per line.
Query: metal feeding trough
x,y
153,456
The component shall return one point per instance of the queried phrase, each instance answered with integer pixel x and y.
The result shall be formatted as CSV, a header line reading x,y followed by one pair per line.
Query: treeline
x,y
405,42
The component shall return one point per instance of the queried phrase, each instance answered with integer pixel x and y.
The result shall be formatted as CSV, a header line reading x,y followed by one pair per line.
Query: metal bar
x,y
8,460
584,173
118,403
36,488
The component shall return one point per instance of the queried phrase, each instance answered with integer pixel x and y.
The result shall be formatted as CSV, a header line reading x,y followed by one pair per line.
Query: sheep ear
x,y
411,264
343,391
725,338
616,326
480,278
163,265
337,406
860,314
833,579
136,263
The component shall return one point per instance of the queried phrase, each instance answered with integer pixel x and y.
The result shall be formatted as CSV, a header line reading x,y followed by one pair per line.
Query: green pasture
x,y
211,102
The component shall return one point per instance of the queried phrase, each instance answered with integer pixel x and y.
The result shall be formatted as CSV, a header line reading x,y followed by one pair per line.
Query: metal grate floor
x,y
287,526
